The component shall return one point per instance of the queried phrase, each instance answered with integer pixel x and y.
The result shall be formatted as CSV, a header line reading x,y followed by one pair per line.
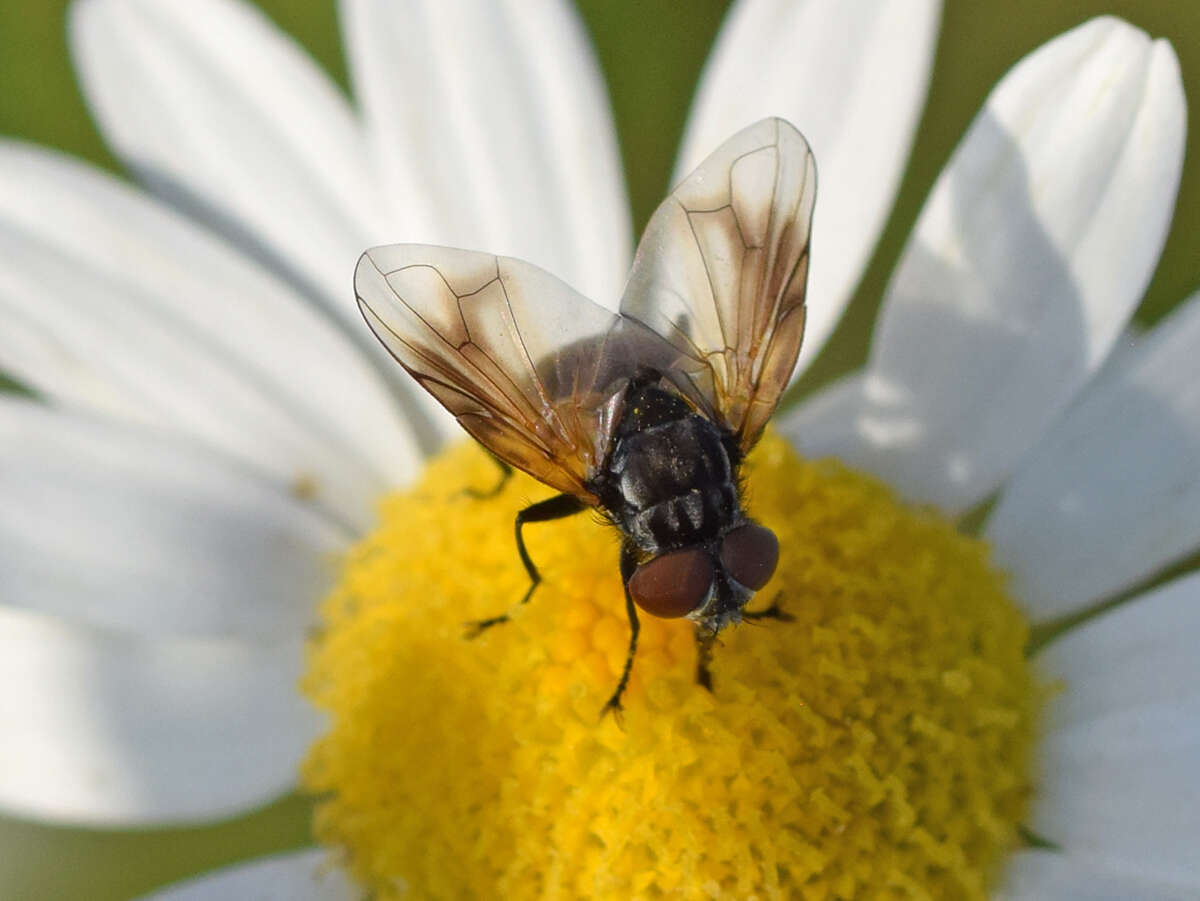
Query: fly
x,y
646,414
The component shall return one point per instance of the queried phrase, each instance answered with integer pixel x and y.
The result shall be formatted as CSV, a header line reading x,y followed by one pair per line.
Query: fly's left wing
x,y
532,369
721,270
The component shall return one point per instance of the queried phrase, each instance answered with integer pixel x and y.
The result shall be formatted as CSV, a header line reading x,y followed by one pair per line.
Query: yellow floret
x,y
876,746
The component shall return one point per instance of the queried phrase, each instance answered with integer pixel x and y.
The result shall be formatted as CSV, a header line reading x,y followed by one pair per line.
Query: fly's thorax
x,y
673,484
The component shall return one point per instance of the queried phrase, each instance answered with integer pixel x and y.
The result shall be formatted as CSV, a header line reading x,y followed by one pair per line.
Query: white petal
x,y
113,302
1027,261
1050,876
102,728
1118,762
307,875
209,103
1112,493
852,76
824,425
116,526
492,131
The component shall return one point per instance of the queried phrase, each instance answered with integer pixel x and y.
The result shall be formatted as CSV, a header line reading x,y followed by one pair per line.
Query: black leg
x,y
628,565
773,612
705,639
506,472
557,507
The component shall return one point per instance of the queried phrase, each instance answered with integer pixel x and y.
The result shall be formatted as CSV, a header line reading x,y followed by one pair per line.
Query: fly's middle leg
x,y
558,507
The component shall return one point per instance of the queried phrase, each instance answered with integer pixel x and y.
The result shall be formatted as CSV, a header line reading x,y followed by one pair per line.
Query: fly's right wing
x,y
532,369
720,274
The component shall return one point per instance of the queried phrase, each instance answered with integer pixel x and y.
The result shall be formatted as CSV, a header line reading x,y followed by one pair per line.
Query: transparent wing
x,y
532,369
720,273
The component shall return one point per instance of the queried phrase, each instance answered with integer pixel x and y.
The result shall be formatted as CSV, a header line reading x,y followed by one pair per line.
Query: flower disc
x,y
876,745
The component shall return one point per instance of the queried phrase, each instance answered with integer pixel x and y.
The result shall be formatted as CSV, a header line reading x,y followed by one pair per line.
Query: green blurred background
x,y
651,52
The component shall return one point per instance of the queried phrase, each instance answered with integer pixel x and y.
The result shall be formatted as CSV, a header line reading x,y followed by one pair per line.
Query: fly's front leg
x,y
557,507
628,565
775,611
705,639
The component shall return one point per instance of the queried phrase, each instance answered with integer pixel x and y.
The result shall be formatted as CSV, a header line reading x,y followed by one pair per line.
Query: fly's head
x,y
708,584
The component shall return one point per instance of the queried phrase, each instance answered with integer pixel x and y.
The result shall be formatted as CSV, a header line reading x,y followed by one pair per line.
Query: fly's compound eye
x,y
749,554
673,585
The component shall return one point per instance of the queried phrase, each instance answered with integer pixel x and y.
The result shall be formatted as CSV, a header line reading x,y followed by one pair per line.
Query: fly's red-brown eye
x,y
749,554
673,585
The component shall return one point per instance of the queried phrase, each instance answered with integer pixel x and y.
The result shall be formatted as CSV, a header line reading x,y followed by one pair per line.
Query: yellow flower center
x,y
875,746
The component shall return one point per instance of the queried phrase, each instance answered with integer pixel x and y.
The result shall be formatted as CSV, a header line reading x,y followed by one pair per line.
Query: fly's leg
x,y
558,507
506,472
628,565
705,639
775,611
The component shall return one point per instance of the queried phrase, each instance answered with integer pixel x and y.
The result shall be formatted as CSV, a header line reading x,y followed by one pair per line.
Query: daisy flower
x,y
218,431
